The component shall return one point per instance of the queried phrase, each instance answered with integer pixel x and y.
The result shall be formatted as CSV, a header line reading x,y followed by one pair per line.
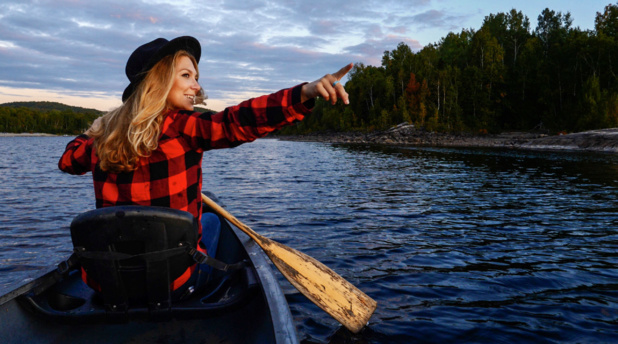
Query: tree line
x,y
49,118
45,117
503,76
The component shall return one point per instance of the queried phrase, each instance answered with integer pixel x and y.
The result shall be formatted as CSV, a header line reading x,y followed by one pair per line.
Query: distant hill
x,y
50,106
202,109
48,117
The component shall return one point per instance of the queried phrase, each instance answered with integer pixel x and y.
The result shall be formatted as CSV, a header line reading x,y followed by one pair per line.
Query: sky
x,y
75,51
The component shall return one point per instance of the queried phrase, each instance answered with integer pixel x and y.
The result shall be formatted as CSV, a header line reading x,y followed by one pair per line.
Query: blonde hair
x,y
132,131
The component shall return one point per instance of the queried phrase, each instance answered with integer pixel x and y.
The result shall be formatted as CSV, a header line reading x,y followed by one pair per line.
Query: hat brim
x,y
186,43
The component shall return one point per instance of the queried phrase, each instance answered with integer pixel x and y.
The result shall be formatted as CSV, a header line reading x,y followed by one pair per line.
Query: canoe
x,y
248,307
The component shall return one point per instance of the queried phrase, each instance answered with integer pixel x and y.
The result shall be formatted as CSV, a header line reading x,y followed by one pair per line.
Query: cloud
x,y
435,19
376,48
249,47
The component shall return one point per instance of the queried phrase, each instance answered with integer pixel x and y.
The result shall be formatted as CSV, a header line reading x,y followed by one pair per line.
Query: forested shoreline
x,y
45,117
49,118
502,77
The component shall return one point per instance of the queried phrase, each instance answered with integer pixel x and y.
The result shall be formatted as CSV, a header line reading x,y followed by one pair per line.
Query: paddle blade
x,y
322,286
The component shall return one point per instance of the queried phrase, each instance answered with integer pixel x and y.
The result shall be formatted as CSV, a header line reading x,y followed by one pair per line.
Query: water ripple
x,y
456,245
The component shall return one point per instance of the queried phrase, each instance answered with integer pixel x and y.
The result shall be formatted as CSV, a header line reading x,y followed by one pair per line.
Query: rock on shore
x,y
605,140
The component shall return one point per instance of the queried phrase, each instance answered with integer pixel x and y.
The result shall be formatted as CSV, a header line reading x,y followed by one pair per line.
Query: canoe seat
x,y
114,231
134,253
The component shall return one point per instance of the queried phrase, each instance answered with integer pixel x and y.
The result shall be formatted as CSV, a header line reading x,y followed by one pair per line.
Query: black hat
x,y
147,55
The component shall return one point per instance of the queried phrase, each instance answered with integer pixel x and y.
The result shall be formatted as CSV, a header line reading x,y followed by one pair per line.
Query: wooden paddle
x,y
329,291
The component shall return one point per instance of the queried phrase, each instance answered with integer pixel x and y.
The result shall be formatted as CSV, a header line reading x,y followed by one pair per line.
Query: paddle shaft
x,y
321,285
219,210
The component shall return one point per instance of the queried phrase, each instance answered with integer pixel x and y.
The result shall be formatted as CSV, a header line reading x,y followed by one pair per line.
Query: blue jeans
x,y
211,231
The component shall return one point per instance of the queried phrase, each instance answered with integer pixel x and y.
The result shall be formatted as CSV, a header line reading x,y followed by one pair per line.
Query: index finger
x,y
343,71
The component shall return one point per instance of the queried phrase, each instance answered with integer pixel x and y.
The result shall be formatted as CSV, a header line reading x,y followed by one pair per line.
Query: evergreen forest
x,y
503,76
45,117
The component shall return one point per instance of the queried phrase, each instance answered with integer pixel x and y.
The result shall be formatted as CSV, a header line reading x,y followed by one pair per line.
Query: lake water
x,y
456,245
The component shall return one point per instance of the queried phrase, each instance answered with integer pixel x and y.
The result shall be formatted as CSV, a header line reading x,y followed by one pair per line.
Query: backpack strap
x,y
202,258
157,256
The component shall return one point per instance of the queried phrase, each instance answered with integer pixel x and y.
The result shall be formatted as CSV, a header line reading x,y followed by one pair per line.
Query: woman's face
x,y
185,87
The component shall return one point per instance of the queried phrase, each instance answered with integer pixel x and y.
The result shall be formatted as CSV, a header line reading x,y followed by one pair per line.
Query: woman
x,y
149,150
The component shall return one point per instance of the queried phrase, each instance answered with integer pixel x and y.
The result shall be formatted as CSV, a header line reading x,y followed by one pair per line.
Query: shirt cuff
x,y
296,98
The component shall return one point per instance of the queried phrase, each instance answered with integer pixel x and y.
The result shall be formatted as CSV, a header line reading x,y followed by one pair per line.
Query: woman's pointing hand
x,y
327,87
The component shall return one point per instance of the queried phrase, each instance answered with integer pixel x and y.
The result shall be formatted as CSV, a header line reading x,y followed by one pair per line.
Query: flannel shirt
x,y
172,175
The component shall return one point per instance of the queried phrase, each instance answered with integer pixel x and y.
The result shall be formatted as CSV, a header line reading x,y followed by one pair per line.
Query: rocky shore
x,y
605,140
602,140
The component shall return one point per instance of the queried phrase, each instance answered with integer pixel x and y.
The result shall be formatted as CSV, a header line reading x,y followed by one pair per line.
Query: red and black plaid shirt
x,y
172,175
